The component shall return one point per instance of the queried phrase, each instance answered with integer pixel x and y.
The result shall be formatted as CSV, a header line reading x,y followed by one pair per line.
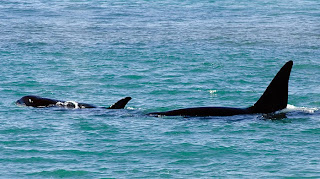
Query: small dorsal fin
x,y
120,104
276,95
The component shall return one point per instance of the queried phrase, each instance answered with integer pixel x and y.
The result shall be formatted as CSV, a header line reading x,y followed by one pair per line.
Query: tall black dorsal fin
x,y
120,104
276,95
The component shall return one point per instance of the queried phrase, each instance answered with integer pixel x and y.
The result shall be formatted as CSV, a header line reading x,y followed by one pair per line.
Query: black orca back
x,y
39,102
273,99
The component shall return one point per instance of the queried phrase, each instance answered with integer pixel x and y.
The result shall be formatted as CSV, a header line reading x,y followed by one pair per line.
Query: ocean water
x,y
165,55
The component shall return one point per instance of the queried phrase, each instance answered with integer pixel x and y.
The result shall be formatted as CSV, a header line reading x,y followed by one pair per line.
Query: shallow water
x,y
165,55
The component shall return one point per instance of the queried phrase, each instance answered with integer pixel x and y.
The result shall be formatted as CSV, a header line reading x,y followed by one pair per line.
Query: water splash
x,y
68,104
292,108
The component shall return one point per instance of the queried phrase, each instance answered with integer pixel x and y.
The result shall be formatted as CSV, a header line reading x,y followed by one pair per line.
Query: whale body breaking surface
x,y
39,102
274,98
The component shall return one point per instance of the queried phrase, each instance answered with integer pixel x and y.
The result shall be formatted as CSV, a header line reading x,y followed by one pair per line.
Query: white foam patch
x,y
292,108
68,104
213,92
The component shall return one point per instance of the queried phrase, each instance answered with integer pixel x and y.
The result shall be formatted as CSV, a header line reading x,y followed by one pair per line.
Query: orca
x,y
274,98
39,102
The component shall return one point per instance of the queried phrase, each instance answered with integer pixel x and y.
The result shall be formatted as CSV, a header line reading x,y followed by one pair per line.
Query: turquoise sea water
x,y
165,55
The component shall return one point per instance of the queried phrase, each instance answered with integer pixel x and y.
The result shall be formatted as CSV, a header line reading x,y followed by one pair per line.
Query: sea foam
x,y
292,108
68,104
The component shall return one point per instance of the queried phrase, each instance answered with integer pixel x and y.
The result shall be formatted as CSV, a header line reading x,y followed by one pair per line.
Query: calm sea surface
x,y
165,55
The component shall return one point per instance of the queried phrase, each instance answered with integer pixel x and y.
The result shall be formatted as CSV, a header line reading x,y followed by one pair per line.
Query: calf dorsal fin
x,y
120,104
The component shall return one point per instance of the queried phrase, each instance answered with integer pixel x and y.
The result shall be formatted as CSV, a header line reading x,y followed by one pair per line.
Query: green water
x,y
165,55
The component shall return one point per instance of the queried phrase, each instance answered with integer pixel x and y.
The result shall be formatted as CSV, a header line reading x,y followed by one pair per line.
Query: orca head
x,y
27,100
35,101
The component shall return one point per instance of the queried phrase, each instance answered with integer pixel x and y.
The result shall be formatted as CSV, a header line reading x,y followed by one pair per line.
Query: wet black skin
x,y
38,102
273,99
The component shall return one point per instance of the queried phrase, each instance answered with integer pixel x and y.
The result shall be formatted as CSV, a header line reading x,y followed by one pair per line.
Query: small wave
x,y
61,173
292,108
